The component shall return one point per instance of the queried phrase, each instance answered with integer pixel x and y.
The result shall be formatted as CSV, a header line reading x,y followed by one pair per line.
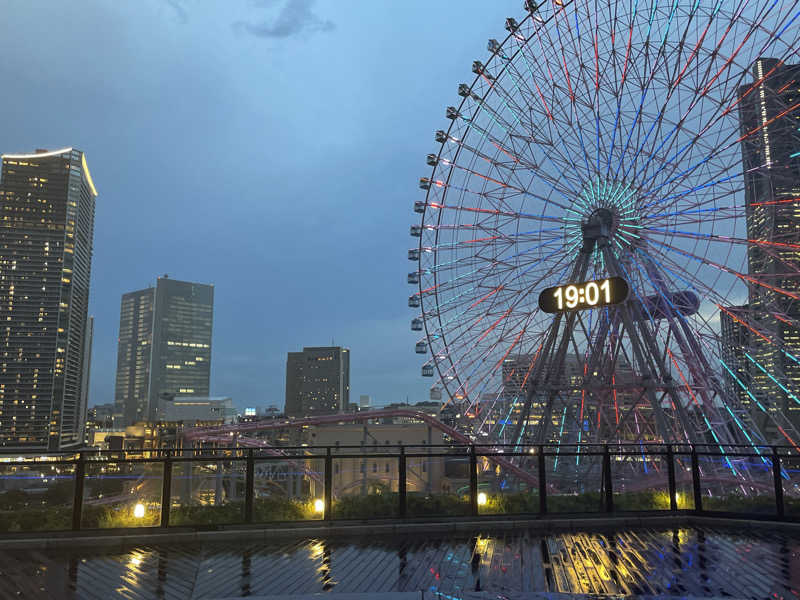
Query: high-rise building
x,y
735,341
46,235
164,347
772,185
317,381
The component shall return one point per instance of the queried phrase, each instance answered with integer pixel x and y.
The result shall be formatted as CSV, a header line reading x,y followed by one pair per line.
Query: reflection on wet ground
x,y
683,562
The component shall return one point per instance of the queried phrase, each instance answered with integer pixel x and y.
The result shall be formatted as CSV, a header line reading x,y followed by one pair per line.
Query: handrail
x,y
248,459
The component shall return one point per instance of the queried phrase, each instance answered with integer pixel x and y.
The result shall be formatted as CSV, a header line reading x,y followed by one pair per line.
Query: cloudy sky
x,y
270,147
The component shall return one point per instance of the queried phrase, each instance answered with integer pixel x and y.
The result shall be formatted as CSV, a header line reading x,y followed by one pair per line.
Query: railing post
x,y
401,481
326,512
776,475
166,490
77,499
673,491
249,486
609,492
473,482
698,496
542,483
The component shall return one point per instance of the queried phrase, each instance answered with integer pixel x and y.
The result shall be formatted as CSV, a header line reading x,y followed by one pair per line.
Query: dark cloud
x,y
295,18
180,11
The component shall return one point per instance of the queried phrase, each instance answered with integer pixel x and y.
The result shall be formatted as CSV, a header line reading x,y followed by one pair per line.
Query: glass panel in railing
x,y
574,479
790,478
208,490
506,484
684,488
738,480
435,482
640,478
288,488
36,496
367,486
122,494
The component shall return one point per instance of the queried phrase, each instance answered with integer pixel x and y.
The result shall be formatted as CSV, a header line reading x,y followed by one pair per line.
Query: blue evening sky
x,y
270,147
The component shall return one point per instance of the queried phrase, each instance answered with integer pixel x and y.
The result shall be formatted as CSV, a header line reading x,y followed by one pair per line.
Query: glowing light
x,y
482,499
138,510
319,505
40,155
88,175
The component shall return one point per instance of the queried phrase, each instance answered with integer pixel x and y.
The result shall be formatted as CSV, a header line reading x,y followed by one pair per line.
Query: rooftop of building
x,y
44,153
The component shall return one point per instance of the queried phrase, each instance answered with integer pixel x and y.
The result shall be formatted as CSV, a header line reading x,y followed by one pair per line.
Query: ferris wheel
x,y
608,249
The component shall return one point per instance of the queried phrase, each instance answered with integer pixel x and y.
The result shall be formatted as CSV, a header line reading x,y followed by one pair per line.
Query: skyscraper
x,y
735,341
164,347
772,185
317,381
46,235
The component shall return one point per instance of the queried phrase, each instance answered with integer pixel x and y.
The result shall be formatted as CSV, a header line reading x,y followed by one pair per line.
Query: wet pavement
x,y
688,562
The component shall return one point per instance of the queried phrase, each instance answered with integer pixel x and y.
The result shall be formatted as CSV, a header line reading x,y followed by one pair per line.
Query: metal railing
x,y
703,460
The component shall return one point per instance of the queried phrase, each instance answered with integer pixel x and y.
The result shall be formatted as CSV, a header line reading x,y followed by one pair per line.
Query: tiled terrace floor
x,y
683,562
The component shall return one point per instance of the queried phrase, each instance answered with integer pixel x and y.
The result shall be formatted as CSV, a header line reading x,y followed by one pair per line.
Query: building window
x,y
374,467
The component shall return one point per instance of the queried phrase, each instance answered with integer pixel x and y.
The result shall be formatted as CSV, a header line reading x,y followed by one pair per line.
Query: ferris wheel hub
x,y
600,224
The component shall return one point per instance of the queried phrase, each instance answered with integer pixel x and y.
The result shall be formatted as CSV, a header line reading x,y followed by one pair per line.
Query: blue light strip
x,y
560,433
778,383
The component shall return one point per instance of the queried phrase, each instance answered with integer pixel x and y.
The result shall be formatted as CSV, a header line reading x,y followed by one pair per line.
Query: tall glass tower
x,y
47,203
164,347
771,162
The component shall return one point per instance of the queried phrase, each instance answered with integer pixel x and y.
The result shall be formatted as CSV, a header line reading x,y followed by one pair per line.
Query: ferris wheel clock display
x,y
594,219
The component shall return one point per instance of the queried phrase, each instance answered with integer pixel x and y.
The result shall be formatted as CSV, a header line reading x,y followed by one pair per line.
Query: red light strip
x,y
495,324
694,53
773,119
686,383
494,291
791,441
771,202
738,320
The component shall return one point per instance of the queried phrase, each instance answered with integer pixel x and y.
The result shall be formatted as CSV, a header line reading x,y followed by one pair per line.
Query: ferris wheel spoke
x,y
561,158
790,259
511,134
466,296
745,278
731,143
694,101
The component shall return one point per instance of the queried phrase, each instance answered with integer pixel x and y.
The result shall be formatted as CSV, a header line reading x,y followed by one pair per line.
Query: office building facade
x,y
164,348
191,410
317,381
772,180
47,207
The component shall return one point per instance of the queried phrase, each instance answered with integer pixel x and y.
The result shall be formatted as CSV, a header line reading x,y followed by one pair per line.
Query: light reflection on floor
x,y
685,562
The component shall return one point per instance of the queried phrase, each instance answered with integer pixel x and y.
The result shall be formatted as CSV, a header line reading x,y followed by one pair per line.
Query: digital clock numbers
x,y
579,296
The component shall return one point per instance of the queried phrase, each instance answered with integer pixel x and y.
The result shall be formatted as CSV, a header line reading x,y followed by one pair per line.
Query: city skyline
x,y
224,105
